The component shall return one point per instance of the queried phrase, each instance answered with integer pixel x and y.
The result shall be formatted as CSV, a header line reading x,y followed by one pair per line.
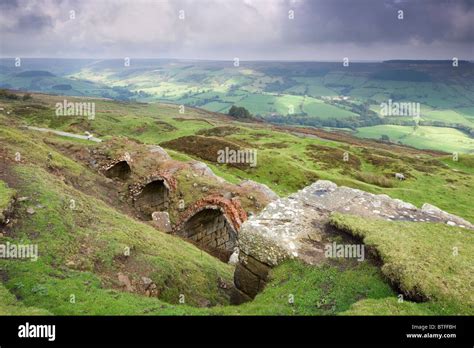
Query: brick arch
x,y
152,193
212,223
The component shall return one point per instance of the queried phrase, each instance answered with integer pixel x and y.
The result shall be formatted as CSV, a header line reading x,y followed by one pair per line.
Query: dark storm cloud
x,y
33,23
369,21
8,4
249,29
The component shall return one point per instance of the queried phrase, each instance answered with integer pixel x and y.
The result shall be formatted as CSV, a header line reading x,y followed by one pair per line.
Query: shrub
x,y
239,112
374,179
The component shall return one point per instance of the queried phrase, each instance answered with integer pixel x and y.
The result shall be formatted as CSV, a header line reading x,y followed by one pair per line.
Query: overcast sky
x,y
247,29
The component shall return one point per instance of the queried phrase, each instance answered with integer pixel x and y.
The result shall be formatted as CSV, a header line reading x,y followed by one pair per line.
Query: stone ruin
x,y
153,197
118,168
152,194
298,227
211,229
293,227
213,223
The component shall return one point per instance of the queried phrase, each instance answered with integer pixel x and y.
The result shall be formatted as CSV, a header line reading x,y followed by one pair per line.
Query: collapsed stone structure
x,y
298,227
118,168
183,198
212,213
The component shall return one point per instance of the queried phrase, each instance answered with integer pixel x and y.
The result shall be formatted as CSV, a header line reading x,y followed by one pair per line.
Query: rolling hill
x,y
314,94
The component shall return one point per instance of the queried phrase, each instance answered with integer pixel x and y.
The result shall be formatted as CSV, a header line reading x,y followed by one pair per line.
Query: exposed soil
x,y
206,148
281,145
165,127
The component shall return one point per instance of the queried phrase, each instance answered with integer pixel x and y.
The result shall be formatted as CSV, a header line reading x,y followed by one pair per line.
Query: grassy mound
x,y
299,289
428,261
393,306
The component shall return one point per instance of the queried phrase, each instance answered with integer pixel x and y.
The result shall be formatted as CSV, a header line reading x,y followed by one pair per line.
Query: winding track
x,y
64,134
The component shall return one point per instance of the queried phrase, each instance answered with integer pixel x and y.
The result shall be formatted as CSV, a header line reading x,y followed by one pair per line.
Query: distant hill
x,y
420,62
35,73
317,94
402,75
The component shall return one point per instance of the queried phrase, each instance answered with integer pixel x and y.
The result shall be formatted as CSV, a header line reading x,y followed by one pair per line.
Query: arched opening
x,y
210,230
153,197
120,170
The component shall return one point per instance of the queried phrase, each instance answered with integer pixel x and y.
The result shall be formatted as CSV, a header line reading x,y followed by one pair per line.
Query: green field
x,y
436,138
307,93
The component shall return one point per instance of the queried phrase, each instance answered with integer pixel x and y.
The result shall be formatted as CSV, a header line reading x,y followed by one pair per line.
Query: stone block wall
x,y
210,229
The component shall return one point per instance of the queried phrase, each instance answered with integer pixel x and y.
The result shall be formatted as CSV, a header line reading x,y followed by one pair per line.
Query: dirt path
x,y
64,134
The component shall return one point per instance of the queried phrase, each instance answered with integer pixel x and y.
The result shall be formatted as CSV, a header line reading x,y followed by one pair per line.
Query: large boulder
x,y
262,189
203,170
159,151
450,219
298,227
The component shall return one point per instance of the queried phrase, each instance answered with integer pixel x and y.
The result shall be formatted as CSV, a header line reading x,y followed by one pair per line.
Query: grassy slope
x,y
9,305
322,290
90,239
277,153
283,160
63,233
428,261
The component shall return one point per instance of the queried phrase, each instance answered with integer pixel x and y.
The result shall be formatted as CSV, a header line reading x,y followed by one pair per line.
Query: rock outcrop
x,y
256,187
155,149
297,227
203,170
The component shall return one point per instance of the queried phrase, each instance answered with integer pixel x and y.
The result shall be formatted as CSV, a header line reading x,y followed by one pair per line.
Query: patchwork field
x,y
293,93
423,137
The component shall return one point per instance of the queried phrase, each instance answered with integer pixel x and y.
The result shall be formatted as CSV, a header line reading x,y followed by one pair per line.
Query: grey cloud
x,y
249,29
33,22
369,21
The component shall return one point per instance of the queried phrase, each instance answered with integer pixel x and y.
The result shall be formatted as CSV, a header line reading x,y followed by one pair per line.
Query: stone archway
x,y
120,170
153,197
210,229
212,223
